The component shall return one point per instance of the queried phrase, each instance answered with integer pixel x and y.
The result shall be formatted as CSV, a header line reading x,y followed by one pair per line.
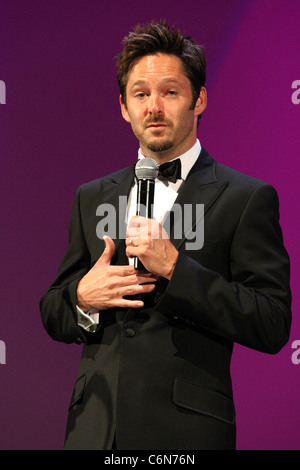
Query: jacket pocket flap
x,y
78,390
196,397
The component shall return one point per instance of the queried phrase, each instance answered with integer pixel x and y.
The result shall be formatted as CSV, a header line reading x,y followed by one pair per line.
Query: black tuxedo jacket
x,y
159,377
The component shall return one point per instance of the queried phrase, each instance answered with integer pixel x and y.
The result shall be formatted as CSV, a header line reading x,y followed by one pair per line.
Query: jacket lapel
x,y
200,187
115,191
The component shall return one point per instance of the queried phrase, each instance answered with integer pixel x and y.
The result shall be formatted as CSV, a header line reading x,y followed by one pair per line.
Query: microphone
x,y
146,170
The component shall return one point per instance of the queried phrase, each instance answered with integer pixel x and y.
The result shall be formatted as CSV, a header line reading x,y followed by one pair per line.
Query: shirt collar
x,y
188,159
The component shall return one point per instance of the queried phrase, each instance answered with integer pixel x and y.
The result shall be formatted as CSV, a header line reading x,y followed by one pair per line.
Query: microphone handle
x,y
144,208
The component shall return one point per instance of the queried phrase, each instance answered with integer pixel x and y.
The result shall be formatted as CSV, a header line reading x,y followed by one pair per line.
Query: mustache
x,y
156,120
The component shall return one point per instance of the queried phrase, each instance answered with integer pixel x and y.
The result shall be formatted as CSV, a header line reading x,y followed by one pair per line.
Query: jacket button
x,y
129,332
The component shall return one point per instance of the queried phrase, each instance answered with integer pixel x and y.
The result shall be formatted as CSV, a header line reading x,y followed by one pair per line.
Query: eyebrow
x,y
164,80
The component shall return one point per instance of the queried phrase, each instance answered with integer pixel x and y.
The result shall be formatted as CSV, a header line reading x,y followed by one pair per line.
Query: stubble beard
x,y
160,147
157,147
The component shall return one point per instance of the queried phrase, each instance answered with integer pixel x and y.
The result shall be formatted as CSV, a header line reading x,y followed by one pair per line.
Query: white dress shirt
x,y
165,192
165,195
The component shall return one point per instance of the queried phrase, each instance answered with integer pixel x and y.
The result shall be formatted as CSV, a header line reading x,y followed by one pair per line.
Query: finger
x,y
106,257
133,280
119,300
127,271
122,271
137,289
148,278
138,239
132,251
150,229
142,279
138,222
141,248
132,241
125,303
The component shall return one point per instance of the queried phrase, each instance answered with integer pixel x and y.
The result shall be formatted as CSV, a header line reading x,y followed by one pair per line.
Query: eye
x,y
140,95
172,92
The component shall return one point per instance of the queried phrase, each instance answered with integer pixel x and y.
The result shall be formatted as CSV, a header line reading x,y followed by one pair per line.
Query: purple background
x,y
62,126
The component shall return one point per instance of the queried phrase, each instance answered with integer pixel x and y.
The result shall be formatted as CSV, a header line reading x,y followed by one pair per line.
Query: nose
x,y
155,105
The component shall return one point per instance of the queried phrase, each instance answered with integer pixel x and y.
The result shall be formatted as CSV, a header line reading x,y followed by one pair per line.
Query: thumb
x,y
108,252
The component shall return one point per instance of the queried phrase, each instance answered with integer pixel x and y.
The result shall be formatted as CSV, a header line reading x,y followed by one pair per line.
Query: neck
x,y
166,155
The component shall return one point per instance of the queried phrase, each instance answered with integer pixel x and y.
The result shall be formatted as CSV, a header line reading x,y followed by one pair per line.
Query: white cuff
x,y
88,321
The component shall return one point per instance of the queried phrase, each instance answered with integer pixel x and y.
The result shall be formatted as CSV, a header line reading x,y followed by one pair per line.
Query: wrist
x,y
172,265
81,303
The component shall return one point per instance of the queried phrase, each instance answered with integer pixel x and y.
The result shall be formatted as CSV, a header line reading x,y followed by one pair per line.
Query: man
x,y
155,367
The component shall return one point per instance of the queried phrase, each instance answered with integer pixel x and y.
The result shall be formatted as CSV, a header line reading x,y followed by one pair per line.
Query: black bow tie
x,y
171,170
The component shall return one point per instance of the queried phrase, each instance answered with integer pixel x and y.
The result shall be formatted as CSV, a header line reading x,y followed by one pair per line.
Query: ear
x,y
201,102
124,110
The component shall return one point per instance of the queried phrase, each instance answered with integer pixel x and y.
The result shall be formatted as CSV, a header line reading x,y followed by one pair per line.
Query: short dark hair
x,y
154,37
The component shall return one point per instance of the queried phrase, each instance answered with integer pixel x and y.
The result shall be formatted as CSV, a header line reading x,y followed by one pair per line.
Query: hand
x,y
104,286
148,240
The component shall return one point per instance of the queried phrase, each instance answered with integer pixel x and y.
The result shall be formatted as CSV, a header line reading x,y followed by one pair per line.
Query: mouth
x,y
157,125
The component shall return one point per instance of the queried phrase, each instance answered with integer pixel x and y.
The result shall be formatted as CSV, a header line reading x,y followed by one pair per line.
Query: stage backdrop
x,y
60,126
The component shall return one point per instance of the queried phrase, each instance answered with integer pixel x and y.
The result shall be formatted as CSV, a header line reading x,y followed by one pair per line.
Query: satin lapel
x,y
115,191
200,187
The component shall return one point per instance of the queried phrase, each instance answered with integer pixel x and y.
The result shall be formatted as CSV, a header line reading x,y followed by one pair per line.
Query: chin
x,y
160,146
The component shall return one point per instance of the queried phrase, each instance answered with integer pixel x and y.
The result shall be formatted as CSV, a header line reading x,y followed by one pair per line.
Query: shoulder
x,y
115,177
218,172
88,195
105,182
247,191
241,188
237,183
237,178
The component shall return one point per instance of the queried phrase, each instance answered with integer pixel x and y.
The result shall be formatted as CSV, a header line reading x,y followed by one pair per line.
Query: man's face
x,y
158,106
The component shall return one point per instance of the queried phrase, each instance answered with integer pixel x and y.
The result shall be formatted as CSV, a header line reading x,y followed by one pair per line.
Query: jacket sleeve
x,y
253,306
58,305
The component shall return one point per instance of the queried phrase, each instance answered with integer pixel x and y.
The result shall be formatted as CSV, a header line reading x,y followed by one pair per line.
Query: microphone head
x,y
146,169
